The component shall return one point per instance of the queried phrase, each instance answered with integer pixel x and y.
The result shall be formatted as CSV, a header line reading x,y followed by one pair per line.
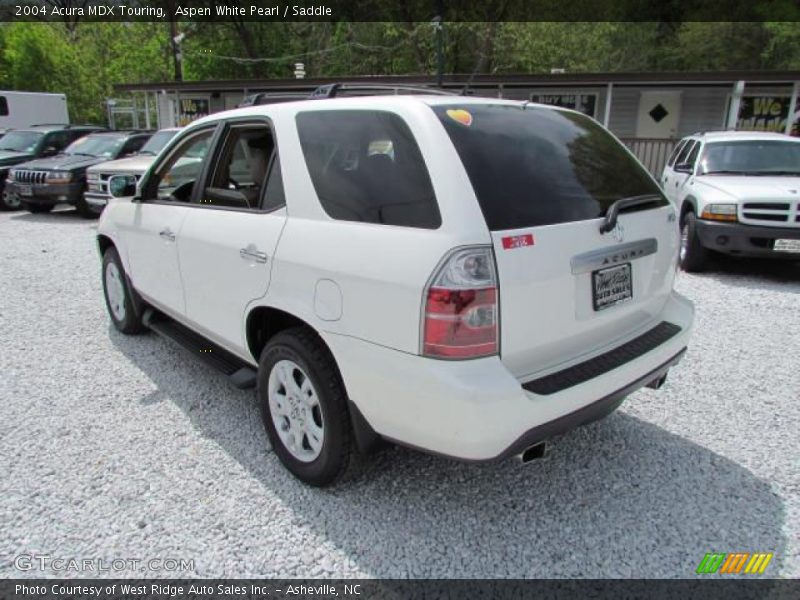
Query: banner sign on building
x,y
191,109
767,113
584,103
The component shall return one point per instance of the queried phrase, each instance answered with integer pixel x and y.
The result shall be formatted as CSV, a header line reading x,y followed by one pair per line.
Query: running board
x,y
242,375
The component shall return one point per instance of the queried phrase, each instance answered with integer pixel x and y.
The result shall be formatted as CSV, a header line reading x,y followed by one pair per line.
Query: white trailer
x,y
23,109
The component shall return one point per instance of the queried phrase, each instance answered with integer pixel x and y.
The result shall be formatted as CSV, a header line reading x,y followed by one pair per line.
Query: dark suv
x,y
38,141
41,184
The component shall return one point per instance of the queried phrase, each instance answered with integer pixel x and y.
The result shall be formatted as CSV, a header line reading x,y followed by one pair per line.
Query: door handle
x,y
253,253
167,234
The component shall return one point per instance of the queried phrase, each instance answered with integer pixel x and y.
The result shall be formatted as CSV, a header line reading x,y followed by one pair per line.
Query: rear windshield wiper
x,y
613,211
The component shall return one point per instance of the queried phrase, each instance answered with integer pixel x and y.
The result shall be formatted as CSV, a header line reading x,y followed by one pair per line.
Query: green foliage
x,y
85,60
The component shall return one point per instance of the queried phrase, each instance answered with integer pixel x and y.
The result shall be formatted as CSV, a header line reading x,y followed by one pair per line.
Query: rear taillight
x,y
460,319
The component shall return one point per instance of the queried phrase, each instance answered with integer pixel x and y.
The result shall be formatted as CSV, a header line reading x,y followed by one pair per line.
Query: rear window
x,y
366,166
537,166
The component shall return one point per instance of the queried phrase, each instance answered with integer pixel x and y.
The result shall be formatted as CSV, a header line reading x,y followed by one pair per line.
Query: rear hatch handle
x,y
613,211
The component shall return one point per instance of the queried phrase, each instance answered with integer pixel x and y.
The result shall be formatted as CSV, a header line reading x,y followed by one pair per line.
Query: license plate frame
x,y
25,190
620,277
787,246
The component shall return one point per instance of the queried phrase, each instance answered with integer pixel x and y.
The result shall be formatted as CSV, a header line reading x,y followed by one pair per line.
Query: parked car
x,y
466,276
21,145
738,194
43,183
96,195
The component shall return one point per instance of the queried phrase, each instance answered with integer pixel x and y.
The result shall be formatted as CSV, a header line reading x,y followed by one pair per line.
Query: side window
x,y
174,179
692,157
366,166
241,168
133,145
3,106
273,194
58,140
685,151
678,147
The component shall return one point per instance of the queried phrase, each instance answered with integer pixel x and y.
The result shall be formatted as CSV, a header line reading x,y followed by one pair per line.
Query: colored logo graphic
x,y
460,115
735,562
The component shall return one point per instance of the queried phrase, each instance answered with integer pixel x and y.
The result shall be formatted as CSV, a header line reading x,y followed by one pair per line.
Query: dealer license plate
x,y
25,190
611,286
787,246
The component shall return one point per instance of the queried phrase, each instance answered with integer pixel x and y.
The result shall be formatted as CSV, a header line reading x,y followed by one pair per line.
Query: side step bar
x,y
241,374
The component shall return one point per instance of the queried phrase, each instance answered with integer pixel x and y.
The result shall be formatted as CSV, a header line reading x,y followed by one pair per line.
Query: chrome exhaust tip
x,y
534,452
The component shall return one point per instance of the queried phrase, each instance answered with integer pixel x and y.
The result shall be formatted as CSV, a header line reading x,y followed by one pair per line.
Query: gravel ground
x,y
123,447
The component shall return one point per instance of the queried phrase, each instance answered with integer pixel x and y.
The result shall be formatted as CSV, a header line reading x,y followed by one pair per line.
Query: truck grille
x,y
770,213
25,176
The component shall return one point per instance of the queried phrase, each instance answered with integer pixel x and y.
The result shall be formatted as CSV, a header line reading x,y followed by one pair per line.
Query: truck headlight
x,y
92,176
58,177
12,175
719,212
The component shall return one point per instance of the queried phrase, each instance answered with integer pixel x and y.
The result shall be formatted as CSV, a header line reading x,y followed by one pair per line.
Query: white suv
x,y
738,193
466,276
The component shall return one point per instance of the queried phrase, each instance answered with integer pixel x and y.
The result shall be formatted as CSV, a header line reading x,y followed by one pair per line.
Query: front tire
x,y
9,201
693,255
304,407
117,291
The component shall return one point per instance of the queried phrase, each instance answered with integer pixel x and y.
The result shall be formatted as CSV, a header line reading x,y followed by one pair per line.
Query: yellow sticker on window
x,y
460,115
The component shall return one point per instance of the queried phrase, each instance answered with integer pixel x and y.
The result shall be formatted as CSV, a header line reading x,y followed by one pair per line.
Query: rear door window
x,y
366,166
536,166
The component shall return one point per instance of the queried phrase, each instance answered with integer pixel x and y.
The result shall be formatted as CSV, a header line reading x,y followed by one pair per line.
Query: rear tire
x,y
118,295
694,256
304,407
36,208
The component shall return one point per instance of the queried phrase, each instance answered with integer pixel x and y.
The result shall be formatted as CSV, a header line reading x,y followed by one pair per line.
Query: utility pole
x,y
176,39
438,29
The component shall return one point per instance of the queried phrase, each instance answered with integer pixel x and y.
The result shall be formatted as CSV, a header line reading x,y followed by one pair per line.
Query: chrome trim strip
x,y
608,257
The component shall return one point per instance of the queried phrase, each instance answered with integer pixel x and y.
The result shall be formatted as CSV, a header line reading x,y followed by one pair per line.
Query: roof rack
x,y
270,98
332,90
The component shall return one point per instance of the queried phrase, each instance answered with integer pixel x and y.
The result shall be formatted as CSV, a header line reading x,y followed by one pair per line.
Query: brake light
x,y
461,317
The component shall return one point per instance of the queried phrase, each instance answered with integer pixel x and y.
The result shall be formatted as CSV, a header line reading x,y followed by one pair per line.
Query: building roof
x,y
458,81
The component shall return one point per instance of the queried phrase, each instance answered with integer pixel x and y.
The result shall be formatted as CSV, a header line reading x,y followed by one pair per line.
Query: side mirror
x,y
122,186
684,168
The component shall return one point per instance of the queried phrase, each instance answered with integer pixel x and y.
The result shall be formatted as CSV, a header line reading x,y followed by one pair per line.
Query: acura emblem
x,y
618,233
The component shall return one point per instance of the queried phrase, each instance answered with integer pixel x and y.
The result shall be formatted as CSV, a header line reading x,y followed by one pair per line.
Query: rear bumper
x,y
745,240
477,410
49,194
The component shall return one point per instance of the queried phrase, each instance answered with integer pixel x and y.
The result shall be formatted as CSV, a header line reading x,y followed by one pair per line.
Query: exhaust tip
x,y
658,382
534,452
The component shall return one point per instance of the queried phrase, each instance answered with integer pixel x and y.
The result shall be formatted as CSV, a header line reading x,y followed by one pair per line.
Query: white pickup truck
x,y
738,193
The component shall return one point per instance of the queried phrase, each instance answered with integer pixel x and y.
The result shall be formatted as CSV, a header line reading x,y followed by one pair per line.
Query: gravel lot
x,y
123,447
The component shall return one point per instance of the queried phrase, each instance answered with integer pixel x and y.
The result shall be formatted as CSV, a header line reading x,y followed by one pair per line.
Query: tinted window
x,y
3,106
366,166
677,149
58,140
273,195
537,166
750,157
134,144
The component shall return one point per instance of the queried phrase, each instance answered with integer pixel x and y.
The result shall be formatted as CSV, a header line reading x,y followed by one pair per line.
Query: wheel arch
x,y
689,204
264,322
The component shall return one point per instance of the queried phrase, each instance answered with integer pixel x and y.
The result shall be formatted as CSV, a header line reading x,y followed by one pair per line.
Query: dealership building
x,y
647,111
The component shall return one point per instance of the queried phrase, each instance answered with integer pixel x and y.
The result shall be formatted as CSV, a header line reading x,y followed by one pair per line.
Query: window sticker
x,y
460,116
